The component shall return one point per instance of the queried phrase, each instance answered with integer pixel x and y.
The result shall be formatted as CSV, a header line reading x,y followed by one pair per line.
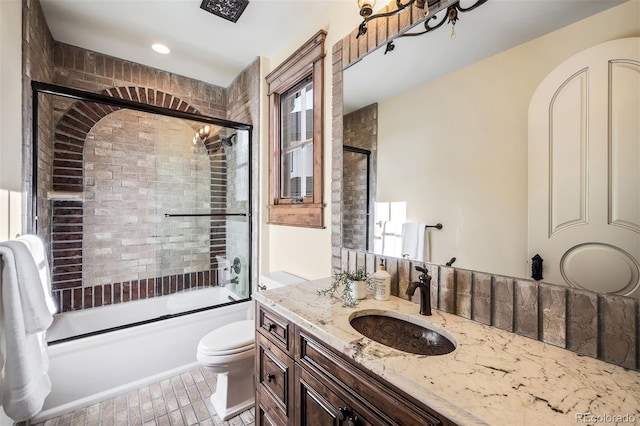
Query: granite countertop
x,y
493,377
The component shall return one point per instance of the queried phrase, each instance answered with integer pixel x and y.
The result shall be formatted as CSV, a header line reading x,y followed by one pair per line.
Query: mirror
x,y
448,124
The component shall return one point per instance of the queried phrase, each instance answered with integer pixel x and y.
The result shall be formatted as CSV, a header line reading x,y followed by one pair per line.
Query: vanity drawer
x,y
275,328
266,417
274,379
379,398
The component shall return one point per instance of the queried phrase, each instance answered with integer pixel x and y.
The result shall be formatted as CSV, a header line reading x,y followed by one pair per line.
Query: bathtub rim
x,y
145,322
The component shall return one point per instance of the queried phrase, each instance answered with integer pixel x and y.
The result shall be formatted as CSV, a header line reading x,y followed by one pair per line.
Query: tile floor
x,y
179,400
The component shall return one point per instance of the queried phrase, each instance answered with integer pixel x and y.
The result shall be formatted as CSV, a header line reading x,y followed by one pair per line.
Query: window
x,y
295,137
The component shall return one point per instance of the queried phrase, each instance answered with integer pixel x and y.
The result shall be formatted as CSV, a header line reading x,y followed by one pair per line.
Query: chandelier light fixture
x,y
202,134
431,23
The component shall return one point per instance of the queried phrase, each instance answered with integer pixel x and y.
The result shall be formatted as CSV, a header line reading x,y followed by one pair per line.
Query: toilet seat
x,y
229,339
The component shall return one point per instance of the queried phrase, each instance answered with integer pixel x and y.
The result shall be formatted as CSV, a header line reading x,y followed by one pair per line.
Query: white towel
x,y
415,241
39,254
391,239
24,383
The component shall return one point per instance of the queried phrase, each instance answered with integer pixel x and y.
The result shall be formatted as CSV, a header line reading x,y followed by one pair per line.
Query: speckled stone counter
x,y
493,377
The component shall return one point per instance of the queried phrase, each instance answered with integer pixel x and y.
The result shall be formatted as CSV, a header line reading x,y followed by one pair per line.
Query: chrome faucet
x,y
424,284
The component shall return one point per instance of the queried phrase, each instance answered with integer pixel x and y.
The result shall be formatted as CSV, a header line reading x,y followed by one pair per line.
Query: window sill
x,y
302,215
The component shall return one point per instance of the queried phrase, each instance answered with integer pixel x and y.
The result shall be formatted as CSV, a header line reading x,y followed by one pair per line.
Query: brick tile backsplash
x,y
553,307
525,311
481,297
600,326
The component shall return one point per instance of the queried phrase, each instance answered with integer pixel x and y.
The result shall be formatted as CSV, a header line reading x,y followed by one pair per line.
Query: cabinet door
x,y
274,379
318,405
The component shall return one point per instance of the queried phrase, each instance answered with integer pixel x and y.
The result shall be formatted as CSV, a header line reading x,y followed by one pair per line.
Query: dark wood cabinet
x,y
302,381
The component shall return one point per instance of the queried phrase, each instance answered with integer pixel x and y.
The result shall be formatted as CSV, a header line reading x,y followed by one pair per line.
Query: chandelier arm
x,y
390,47
439,24
473,6
415,34
402,6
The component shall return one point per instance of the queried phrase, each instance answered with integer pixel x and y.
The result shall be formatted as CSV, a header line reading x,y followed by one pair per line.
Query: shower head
x,y
228,140
222,141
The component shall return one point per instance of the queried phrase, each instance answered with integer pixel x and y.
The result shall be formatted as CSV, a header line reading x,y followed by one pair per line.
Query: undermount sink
x,y
404,334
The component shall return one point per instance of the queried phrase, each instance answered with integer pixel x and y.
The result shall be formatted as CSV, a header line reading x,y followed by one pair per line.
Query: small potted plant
x,y
353,284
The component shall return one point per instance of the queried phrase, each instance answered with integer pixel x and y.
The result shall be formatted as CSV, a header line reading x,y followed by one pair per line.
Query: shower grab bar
x,y
204,214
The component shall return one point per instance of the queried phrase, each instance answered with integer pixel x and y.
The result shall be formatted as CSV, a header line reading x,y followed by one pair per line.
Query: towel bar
x,y
437,226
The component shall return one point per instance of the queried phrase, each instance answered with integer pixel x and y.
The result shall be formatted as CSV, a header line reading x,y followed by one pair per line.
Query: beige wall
x,y
301,251
10,118
467,152
10,127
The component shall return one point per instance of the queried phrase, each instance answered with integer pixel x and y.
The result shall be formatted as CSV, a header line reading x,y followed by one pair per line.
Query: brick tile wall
x,y
37,60
360,131
63,167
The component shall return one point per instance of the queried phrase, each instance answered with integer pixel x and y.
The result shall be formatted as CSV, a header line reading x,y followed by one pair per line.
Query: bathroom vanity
x,y
313,367
302,381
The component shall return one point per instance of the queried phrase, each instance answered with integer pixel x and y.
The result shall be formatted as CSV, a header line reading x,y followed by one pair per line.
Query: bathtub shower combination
x,y
145,206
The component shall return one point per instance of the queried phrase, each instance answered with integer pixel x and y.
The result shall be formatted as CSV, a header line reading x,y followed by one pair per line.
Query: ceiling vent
x,y
227,9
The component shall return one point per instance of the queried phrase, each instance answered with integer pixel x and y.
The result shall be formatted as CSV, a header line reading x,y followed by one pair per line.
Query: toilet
x,y
229,352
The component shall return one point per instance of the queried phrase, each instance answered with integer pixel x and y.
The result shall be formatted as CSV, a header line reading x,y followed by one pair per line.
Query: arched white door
x,y
584,170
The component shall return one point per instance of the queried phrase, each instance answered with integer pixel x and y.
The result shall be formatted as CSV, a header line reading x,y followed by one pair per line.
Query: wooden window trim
x,y
307,60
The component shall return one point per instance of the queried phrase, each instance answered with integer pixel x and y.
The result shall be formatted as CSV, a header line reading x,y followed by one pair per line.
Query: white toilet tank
x,y
271,280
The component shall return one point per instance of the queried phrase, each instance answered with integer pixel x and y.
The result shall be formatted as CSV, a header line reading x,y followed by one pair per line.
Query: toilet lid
x,y
230,338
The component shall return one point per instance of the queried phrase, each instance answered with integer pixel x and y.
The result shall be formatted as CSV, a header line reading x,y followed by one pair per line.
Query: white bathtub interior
x,y
89,369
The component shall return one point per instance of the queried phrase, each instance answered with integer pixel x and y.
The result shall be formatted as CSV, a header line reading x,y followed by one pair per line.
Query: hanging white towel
x,y
39,254
391,239
415,241
24,383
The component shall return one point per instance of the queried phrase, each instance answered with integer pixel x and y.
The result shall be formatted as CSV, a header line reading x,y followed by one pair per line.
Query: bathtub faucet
x,y
424,284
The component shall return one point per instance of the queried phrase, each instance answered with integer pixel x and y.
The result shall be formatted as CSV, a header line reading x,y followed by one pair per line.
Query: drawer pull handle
x,y
343,413
271,326
352,421
271,378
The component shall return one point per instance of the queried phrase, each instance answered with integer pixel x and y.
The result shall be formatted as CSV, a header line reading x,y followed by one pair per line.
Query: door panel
x,y
568,151
584,170
625,145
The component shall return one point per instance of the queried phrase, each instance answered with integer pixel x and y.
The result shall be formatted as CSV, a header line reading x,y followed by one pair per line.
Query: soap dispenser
x,y
382,283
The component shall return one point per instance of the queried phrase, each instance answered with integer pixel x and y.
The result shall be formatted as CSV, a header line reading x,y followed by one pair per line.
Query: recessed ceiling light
x,y
161,48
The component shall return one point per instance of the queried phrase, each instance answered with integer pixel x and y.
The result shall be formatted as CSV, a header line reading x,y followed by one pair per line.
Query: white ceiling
x,y
203,46
211,49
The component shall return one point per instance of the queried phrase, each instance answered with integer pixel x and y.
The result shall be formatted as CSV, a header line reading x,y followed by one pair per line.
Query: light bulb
x,y
453,31
366,7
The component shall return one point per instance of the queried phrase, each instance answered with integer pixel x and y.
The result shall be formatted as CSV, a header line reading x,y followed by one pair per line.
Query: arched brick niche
x,y
68,210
